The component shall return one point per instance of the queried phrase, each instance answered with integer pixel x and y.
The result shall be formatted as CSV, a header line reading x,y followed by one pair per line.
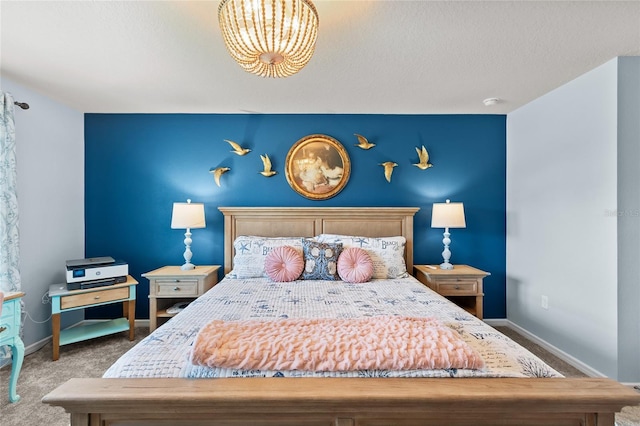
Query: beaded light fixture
x,y
270,38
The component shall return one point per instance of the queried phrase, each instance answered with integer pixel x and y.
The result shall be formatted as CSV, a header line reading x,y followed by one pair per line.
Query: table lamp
x,y
186,216
447,215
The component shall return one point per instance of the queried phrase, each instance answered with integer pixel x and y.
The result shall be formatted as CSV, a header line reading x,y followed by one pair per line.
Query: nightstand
x,y
462,284
170,285
63,300
10,336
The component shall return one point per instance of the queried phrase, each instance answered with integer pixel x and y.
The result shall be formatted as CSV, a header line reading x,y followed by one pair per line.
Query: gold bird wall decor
x,y
237,149
363,142
388,169
266,164
217,172
423,157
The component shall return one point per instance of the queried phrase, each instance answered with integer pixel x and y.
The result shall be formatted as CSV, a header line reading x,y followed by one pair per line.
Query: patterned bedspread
x,y
165,352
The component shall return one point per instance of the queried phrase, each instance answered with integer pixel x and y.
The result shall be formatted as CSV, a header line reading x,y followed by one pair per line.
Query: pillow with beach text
x,y
387,253
250,253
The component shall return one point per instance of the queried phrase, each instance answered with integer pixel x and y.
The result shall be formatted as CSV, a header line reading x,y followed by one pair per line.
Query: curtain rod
x,y
22,105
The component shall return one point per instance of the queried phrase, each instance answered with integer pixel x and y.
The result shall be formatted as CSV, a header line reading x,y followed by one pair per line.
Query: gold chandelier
x,y
270,38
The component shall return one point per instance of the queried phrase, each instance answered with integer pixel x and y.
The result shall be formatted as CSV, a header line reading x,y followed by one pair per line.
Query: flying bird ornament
x,y
237,149
217,172
363,142
266,163
388,169
423,156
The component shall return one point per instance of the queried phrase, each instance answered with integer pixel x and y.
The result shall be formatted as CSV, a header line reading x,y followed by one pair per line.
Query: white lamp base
x,y
187,252
446,253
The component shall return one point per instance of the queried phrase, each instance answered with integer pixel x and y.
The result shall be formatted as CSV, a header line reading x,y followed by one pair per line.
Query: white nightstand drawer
x,y
177,288
447,287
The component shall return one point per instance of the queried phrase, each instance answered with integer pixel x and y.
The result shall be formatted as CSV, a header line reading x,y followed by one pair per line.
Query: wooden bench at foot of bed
x,y
342,401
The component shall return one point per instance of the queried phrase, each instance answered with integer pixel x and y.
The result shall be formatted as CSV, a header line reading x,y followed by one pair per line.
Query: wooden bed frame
x,y
338,401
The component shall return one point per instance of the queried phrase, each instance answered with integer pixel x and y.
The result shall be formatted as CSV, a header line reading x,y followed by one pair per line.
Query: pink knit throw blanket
x,y
375,343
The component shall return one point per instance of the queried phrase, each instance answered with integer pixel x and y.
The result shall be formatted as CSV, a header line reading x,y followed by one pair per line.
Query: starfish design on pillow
x,y
361,241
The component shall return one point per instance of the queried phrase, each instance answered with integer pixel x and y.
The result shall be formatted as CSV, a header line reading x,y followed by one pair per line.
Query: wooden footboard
x,y
342,402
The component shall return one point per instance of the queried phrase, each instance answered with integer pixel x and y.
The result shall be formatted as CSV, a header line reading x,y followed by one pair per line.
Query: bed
x,y
156,384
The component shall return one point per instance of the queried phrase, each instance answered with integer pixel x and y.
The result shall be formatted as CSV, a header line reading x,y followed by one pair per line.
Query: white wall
x,y
561,221
629,219
50,157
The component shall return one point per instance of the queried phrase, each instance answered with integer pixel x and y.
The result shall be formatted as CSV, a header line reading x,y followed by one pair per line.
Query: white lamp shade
x,y
448,215
187,215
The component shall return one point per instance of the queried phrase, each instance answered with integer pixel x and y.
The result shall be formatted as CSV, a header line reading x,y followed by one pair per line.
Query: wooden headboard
x,y
312,221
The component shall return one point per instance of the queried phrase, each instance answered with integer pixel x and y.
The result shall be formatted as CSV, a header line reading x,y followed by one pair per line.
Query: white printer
x,y
95,271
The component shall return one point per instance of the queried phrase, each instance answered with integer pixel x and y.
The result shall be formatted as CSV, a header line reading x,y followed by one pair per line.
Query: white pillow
x,y
387,253
250,253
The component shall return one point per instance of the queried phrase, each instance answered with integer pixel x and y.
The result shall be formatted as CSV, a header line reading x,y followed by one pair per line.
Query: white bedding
x,y
165,352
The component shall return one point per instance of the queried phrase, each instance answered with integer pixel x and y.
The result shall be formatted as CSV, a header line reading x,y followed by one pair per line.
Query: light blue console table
x,y
10,336
63,300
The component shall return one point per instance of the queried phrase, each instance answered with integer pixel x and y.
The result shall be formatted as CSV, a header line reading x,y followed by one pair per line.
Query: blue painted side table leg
x,y
17,351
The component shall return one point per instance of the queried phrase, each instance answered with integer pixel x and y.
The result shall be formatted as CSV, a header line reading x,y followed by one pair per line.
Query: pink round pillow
x,y
355,265
283,264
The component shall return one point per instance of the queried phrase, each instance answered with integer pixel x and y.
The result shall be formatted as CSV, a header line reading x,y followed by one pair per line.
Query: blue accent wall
x,y
138,165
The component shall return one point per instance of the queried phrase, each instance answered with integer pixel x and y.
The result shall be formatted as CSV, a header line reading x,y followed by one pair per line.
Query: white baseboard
x,y
142,323
34,347
569,359
497,322
138,322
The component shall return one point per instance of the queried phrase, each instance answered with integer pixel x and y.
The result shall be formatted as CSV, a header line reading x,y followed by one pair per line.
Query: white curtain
x,y
9,235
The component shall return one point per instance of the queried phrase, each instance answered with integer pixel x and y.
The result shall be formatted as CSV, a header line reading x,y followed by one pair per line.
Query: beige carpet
x,y
40,375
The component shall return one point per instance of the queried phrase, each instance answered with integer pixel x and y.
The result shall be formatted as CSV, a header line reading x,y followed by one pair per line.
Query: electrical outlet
x,y
544,302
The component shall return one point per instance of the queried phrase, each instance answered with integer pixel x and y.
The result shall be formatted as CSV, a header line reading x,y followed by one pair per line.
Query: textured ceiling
x,y
391,57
